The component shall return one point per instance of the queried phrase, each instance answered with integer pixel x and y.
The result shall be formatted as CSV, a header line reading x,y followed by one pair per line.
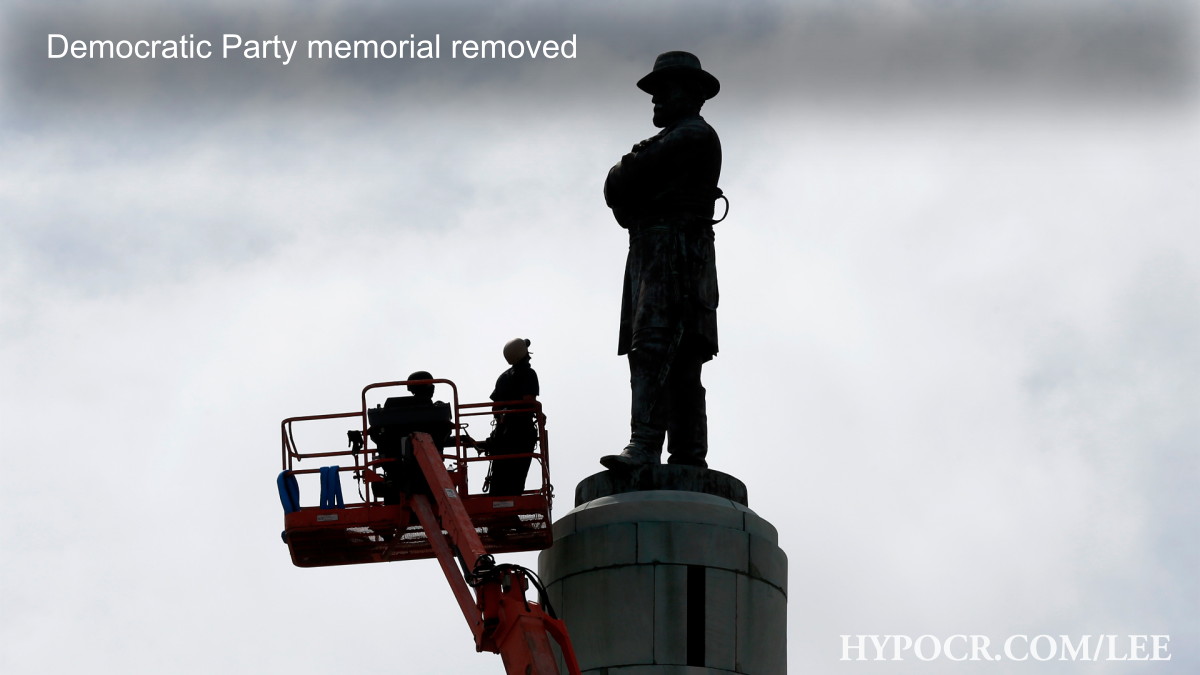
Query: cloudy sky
x,y
960,311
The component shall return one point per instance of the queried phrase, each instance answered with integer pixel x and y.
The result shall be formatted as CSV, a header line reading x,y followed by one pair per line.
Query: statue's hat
x,y
676,66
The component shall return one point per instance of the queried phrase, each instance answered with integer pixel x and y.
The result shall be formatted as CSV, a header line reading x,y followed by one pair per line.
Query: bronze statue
x,y
663,192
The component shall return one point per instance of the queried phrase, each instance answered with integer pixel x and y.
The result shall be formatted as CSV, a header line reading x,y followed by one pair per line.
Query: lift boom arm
x,y
502,620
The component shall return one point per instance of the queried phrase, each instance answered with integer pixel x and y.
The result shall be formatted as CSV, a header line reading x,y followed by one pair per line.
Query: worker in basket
x,y
393,423
513,433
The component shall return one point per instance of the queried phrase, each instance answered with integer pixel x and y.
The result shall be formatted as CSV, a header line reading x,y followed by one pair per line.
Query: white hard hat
x,y
516,349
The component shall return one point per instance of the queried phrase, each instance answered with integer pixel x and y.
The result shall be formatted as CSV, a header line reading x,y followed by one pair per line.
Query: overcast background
x,y
960,311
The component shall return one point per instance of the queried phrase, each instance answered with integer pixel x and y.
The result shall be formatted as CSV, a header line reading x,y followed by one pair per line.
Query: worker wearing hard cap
x,y
663,192
514,433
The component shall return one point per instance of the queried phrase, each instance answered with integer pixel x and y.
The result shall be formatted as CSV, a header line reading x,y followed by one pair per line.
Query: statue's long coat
x,y
663,193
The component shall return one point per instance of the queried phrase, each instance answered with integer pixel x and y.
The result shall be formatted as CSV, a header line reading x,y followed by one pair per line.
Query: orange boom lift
x,y
421,507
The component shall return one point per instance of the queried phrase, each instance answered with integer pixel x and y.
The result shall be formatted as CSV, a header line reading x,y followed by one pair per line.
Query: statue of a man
x,y
663,192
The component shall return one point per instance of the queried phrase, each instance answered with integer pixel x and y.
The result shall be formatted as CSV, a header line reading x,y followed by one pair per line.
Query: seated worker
x,y
513,433
391,426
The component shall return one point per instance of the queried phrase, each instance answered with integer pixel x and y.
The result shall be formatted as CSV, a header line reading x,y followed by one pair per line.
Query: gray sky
x,y
959,321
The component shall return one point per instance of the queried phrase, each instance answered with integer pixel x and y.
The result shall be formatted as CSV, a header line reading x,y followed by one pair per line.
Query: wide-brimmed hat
x,y
677,66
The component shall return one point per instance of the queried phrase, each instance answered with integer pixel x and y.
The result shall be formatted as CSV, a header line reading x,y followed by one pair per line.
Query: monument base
x,y
680,581
661,477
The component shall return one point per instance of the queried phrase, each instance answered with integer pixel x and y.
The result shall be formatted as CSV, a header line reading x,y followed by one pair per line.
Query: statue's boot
x,y
645,447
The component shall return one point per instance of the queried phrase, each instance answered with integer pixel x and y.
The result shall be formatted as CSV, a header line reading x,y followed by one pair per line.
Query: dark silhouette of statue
x,y
663,192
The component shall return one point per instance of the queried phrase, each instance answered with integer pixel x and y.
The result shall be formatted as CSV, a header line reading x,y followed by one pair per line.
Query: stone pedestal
x,y
652,580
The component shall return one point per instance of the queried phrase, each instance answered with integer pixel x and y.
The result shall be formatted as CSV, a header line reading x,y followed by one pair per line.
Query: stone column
x,y
666,571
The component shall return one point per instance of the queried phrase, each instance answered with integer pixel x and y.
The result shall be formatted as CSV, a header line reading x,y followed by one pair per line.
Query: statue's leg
x,y
687,431
649,410
650,407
